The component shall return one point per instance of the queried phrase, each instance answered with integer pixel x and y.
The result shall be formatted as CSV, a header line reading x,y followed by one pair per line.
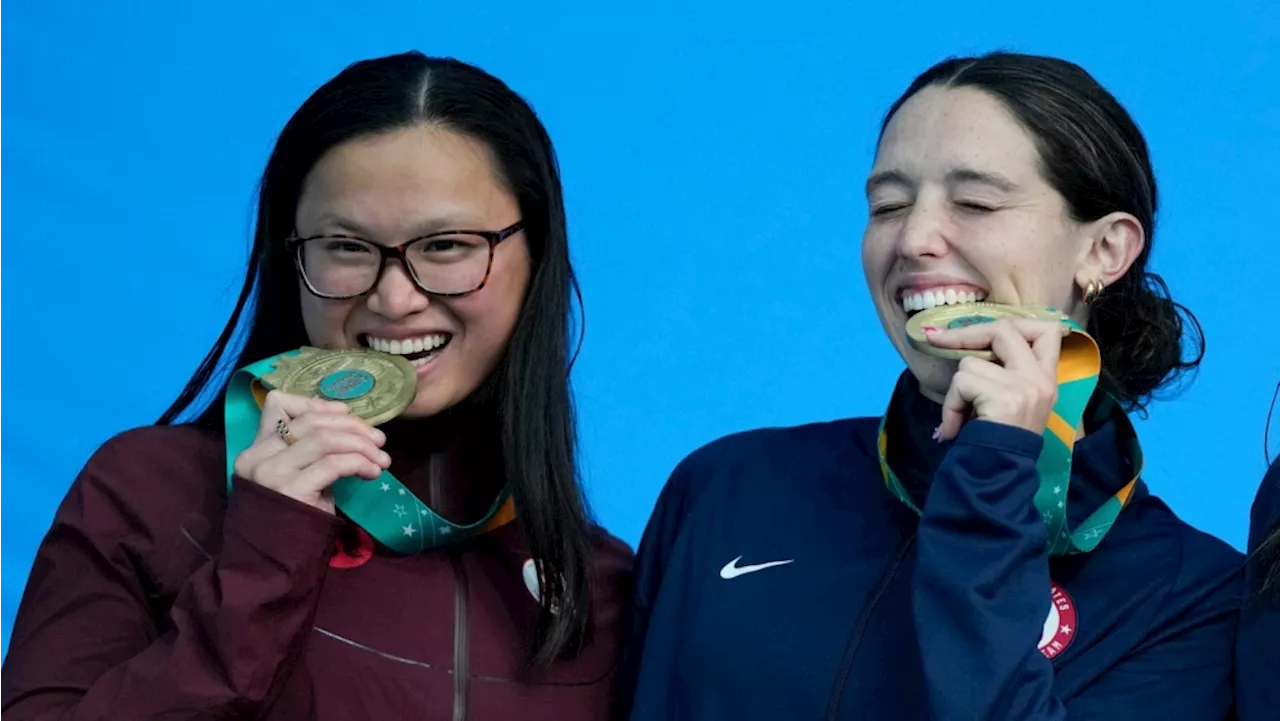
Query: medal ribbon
x,y
1078,366
383,507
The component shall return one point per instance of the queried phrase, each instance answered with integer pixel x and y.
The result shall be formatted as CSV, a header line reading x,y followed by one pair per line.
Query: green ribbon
x,y
391,513
1079,364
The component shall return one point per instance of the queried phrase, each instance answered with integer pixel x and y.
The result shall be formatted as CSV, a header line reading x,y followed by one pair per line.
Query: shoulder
x,y
1265,514
1207,561
153,472
741,456
1160,580
1200,554
753,460
608,547
612,557
150,497
172,454
1205,574
145,446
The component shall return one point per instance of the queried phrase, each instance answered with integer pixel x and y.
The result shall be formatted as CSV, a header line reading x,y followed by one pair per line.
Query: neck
x,y
940,398
932,395
452,461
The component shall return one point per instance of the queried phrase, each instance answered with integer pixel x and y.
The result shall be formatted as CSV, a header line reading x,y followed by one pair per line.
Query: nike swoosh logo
x,y
733,570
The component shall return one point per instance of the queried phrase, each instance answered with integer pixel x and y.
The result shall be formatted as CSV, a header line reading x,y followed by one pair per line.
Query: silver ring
x,y
282,430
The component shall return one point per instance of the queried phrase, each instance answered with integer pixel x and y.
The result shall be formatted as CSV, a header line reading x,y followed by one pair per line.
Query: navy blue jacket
x,y
779,578
1258,647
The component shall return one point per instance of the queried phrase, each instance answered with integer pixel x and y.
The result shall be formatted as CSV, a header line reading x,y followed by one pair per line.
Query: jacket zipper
x,y
461,649
860,628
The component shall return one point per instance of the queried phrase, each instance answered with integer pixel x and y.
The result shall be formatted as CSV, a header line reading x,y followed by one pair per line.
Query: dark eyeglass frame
x,y
400,253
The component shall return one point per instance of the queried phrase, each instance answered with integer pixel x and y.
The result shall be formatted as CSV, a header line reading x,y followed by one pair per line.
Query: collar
x,y
452,460
1101,464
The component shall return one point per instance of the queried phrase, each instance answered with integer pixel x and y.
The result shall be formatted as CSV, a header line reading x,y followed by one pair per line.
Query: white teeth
x,y
921,300
406,346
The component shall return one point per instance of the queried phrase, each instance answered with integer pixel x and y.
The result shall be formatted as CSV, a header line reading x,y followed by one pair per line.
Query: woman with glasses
x,y
985,549
283,556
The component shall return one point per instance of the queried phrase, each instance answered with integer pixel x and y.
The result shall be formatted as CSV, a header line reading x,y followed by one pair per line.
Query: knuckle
x,y
327,437
329,466
264,474
341,466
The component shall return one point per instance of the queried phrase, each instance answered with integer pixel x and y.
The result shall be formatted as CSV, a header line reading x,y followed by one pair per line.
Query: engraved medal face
x,y
950,317
347,384
376,386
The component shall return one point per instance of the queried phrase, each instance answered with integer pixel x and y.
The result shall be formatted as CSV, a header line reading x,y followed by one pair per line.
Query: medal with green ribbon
x,y
377,387
1078,366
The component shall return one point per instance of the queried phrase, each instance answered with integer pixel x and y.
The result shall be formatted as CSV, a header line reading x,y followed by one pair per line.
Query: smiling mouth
x,y
418,351
915,300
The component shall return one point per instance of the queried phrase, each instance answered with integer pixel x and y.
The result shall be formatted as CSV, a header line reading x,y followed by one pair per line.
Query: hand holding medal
x,y
317,421
305,444
1032,368
1008,362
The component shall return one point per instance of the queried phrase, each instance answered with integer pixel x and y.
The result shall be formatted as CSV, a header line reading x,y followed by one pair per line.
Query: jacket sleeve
x,y
87,645
982,588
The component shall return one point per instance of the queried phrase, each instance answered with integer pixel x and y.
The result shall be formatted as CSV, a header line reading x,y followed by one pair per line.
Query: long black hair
x,y
1094,155
530,387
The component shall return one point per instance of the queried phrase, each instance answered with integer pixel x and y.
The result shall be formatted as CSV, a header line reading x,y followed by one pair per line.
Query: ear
x,y
1113,243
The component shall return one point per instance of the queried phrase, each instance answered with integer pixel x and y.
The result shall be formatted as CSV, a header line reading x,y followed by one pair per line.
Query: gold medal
x,y
950,317
376,386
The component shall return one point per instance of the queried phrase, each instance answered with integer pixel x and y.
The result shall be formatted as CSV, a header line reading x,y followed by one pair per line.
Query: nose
x,y
924,234
396,295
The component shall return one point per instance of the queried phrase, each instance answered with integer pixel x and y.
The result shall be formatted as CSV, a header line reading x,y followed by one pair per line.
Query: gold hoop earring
x,y
1092,291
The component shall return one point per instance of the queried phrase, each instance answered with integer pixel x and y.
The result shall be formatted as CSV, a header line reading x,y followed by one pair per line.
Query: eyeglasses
x,y
450,262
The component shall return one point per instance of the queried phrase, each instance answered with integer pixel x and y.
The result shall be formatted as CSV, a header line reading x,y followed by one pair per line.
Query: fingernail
x,y
929,329
386,459
937,431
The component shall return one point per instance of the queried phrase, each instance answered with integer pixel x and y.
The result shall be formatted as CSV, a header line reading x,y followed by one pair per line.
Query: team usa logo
x,y
1060,626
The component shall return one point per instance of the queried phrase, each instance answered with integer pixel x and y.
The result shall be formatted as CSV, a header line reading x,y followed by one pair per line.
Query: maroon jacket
x,y
155,597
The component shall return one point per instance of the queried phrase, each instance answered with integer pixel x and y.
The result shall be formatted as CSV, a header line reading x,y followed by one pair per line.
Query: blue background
x,y
713,159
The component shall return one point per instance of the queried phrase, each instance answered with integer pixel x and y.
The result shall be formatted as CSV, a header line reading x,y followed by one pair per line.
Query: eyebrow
x,y
969,175
953,177
887,177
457,221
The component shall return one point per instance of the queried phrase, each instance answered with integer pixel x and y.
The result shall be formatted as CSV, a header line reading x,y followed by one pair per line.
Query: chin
x,y
426,405
932,374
